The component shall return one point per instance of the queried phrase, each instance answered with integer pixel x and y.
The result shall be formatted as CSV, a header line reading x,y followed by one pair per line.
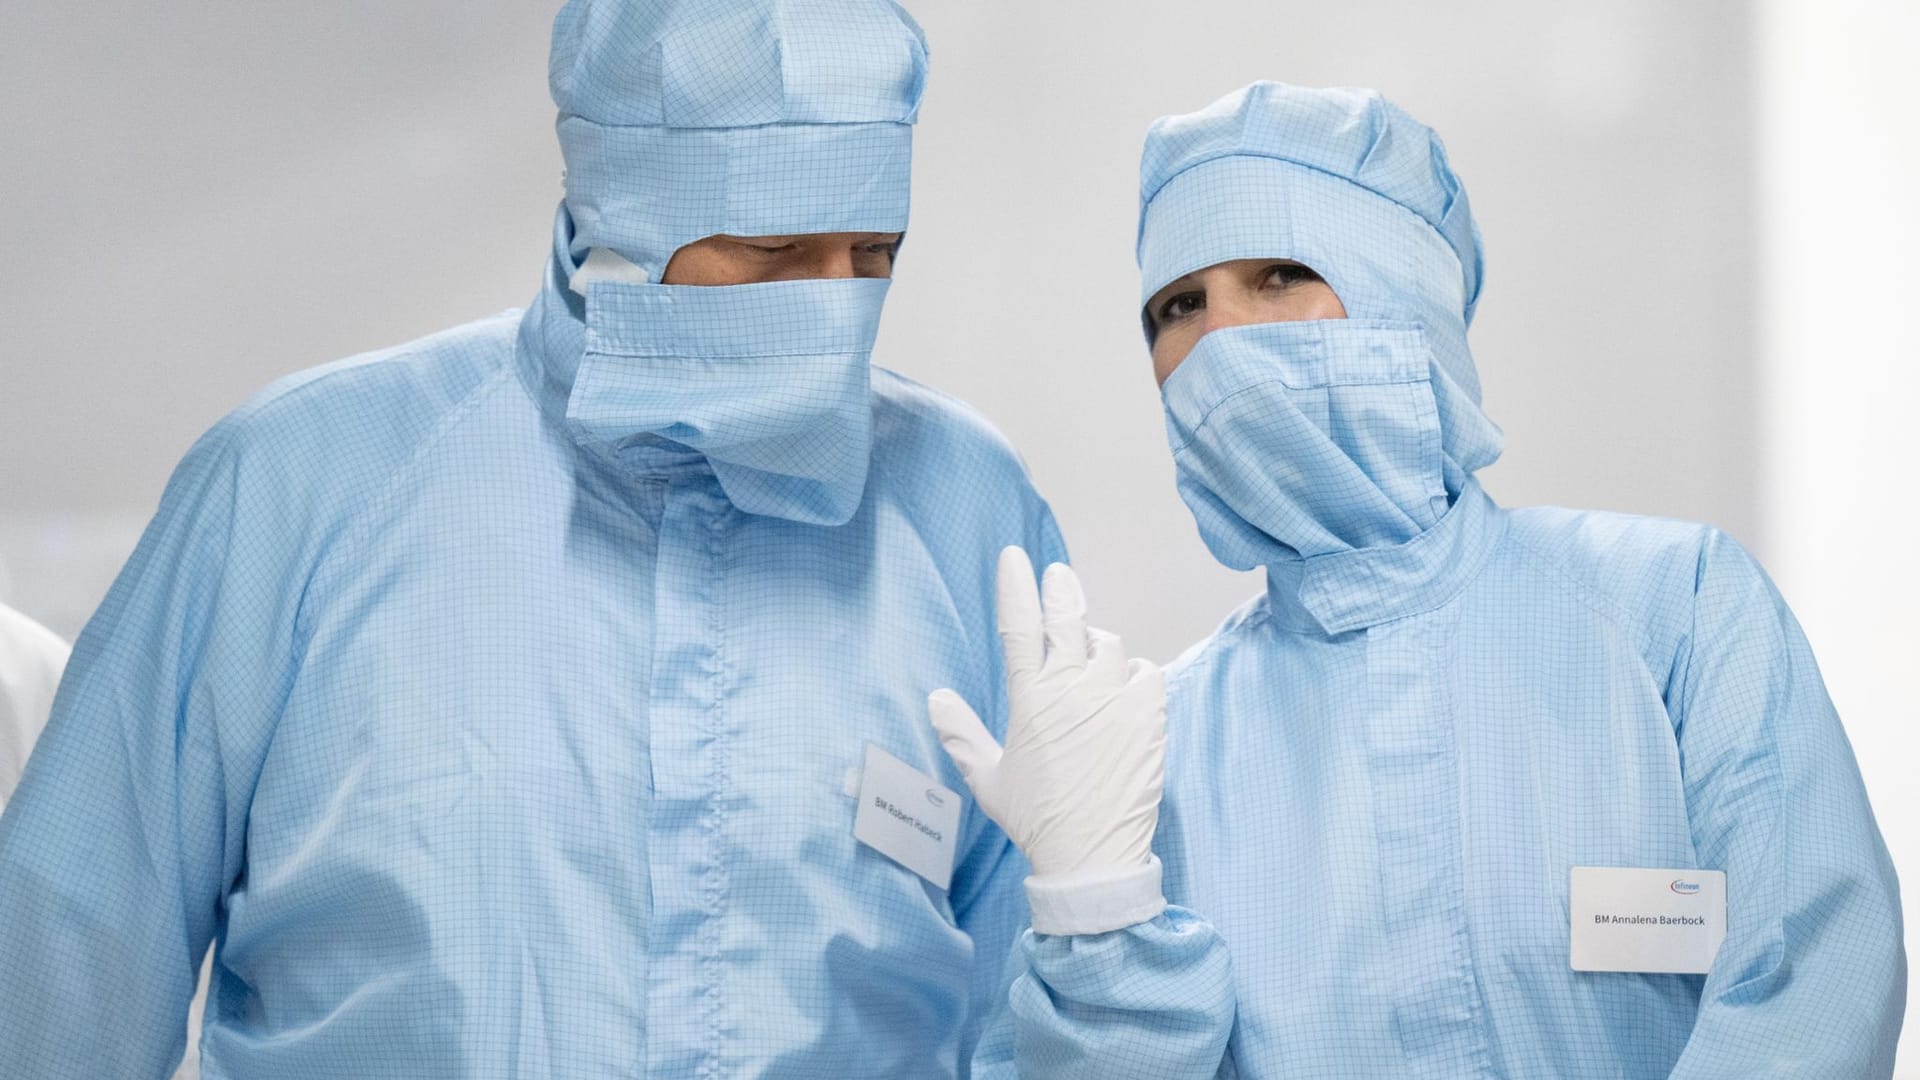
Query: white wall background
x,y
1839,168
198,197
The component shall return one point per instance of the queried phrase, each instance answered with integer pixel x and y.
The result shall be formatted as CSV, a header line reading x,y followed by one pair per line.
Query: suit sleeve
x,y
1811,979
1152,1000
130,819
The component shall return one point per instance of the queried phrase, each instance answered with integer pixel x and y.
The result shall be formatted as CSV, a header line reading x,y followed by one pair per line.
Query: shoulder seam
x,y
363,519
1602,605
1218,640
364,361
1682,681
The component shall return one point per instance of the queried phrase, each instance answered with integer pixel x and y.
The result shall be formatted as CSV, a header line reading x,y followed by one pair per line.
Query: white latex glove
x,y
1077,786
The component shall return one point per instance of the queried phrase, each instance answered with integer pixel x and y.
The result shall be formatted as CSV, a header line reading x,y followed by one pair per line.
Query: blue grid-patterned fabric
x,y
455,697
681,119
1381,771
770,382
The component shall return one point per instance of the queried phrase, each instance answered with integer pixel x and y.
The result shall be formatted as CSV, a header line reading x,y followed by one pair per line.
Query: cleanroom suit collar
x,y
1351,590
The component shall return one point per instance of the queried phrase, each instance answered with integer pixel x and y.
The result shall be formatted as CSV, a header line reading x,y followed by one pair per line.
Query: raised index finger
x,y
1064,617
1017,614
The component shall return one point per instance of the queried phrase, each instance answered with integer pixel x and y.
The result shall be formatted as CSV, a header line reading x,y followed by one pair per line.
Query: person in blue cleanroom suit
x,y
1381,773
495,703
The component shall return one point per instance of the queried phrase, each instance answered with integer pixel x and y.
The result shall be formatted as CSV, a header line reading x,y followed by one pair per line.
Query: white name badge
x,y
1654,921
908,817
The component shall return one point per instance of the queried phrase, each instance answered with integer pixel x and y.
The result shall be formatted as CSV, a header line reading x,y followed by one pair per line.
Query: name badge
x,y
1653,921
908,817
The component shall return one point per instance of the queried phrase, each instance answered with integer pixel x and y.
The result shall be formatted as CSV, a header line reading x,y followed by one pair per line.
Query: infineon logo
x,y
1683,886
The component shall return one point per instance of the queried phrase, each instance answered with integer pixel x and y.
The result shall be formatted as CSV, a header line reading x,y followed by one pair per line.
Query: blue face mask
x,y
1297,439
768,382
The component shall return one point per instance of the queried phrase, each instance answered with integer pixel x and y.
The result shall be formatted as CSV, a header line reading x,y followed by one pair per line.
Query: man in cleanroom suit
x,y
1429,796
497,704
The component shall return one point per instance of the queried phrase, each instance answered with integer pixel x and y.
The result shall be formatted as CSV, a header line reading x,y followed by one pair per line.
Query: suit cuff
x,y
1096,900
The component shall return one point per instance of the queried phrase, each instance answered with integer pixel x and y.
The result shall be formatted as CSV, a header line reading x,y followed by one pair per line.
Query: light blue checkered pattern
x,y
1352,136
769,382
456,695
1346,405
682,119
1381,771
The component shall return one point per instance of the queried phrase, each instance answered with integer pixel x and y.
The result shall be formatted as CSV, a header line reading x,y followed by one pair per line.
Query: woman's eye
x,y
1181,305
1287,275
887,249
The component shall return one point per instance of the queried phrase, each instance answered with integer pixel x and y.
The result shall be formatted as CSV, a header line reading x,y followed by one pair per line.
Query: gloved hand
x,y
1077,786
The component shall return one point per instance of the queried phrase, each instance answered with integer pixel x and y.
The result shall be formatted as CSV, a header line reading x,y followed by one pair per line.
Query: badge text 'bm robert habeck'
x,y
932,833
